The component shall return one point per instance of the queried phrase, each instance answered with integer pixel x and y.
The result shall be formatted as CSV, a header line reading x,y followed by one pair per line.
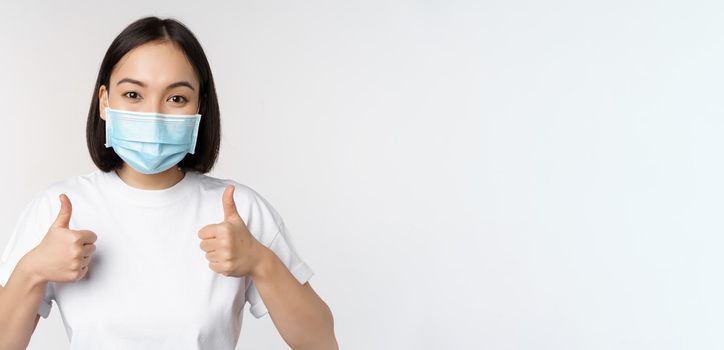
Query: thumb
x,y
63,219
229,204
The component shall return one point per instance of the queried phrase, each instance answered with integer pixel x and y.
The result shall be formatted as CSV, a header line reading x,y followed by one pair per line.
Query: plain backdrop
x,y
459,174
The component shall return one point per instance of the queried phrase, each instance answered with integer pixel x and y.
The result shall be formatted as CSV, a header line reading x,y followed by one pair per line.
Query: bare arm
x,y
302,318
63,255
19,302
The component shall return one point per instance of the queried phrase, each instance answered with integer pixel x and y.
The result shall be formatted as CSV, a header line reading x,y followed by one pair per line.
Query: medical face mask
x,y
151,142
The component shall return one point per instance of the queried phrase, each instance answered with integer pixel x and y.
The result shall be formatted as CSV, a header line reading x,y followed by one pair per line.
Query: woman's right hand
x,y
64,254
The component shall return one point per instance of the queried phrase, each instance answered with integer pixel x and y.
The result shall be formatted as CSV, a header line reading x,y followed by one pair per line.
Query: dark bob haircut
x,y
138,33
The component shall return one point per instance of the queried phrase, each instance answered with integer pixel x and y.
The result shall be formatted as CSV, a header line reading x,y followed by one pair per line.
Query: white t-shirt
x,y
149,285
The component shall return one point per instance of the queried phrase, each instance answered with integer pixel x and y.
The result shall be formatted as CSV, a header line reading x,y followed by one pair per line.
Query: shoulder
x,y
242,193
72,184
215,184
255,209
40,209
44,204
64,185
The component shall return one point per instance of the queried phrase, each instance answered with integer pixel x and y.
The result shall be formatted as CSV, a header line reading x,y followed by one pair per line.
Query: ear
x,y
102,101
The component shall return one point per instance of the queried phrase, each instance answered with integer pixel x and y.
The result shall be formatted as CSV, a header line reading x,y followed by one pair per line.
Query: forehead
x,y
157,64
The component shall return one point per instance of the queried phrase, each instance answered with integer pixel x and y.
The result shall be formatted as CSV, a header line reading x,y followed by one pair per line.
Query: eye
x,y
131,92
179,99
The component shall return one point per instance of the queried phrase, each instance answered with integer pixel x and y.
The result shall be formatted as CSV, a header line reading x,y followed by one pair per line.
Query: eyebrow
x,y
171,86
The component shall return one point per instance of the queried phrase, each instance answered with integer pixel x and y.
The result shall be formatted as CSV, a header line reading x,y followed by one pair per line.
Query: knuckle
x,y
229,228
77,238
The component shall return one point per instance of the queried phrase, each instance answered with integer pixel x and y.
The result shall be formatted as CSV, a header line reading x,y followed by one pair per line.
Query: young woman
x,y
152,253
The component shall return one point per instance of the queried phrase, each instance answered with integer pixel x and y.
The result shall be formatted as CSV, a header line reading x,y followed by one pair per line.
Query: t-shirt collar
x,y
148,198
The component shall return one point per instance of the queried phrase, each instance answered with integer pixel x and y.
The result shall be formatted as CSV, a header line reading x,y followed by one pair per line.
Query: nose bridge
x,y
156,104
153,103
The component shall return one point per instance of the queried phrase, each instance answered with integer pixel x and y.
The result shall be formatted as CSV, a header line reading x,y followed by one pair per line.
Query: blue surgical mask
x,y
151,142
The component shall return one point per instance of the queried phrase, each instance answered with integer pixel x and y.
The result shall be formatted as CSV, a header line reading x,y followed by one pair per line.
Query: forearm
x,y
19,302
303,319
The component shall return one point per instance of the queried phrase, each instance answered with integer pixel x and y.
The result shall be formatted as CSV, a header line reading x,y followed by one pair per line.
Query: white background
x,y
459,174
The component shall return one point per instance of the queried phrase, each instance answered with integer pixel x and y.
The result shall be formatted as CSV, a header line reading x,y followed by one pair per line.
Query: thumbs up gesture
x,y
230,248
64,254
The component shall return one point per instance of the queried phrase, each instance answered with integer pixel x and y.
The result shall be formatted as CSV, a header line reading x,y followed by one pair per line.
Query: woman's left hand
x,y
230,248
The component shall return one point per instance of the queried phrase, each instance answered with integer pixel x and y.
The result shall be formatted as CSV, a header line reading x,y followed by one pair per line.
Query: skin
x,y
302,318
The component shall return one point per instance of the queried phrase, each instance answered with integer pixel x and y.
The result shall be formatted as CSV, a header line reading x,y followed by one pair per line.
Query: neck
x,y
160,181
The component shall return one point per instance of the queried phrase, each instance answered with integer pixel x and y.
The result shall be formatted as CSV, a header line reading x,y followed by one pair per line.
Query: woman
x,y
152,253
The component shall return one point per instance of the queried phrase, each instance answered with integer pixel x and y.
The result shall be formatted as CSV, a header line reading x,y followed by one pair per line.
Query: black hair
x,y
141,31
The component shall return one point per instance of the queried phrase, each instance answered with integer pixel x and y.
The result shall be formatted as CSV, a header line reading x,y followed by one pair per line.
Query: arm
x,y
302,318
19,302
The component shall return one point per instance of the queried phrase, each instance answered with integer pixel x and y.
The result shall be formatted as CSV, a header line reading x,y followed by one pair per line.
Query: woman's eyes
x,y
130,92
134,96
184,98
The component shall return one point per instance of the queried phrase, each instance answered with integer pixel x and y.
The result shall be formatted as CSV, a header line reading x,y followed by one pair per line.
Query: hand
x,y
64,254
230,248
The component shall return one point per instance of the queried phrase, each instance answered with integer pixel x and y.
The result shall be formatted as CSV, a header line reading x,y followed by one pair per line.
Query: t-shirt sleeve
x,y
27,233
282,245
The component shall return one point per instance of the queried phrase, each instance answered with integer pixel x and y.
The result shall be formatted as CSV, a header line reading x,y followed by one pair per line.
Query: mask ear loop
x,y
108,124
